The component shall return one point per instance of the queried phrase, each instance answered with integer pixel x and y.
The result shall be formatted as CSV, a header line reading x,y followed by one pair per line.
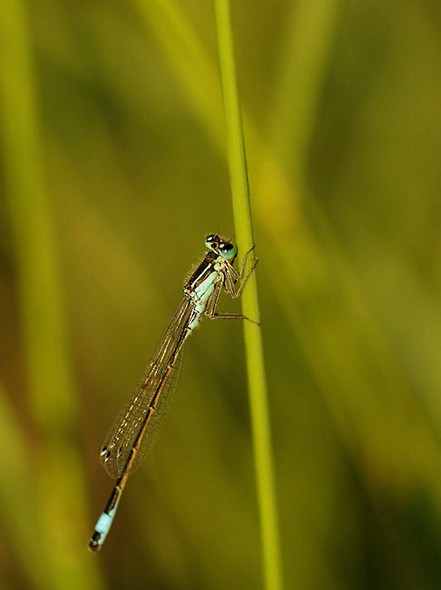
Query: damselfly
x,y
137,426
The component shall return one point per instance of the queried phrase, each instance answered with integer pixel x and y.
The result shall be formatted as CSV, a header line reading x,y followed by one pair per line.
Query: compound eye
x,y
211,241
227,250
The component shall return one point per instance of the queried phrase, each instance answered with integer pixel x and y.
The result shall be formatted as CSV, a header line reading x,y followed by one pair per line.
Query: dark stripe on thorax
x,y
202,272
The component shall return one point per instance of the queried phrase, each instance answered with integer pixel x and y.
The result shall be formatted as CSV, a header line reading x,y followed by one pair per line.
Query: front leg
x,y
210,310
232,276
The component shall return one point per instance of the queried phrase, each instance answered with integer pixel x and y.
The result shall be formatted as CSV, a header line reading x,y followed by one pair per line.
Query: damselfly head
x,y
221,246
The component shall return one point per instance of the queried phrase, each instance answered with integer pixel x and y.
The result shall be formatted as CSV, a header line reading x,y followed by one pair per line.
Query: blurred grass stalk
x,y
253,337
58,486
17,500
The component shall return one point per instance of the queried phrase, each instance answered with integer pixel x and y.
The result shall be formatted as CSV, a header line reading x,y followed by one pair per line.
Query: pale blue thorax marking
x,y
201,296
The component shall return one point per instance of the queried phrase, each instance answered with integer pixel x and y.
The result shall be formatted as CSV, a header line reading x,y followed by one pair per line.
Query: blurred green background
x,y
113,171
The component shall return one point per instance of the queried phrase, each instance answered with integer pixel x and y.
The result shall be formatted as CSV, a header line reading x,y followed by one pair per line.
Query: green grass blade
x,y
17,500
250,305
58,486
192,65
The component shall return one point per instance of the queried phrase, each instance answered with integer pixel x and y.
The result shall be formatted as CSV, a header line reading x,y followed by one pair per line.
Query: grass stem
x,y
252,334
